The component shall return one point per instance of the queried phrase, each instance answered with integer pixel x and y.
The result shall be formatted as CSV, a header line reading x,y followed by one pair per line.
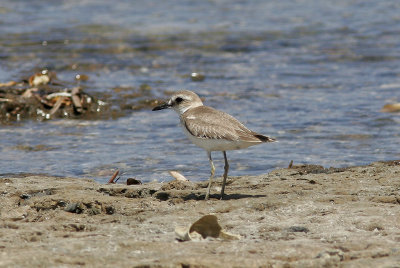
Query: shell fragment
x,y
206,226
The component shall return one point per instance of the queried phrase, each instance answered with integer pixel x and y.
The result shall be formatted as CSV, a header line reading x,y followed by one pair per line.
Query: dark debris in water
x,y
130,98
197,77
41,98
391,108
36,148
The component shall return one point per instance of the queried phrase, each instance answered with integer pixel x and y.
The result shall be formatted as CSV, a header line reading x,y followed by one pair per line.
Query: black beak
x,y
162,106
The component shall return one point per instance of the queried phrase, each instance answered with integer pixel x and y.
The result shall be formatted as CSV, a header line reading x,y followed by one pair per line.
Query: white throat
x,y
181,109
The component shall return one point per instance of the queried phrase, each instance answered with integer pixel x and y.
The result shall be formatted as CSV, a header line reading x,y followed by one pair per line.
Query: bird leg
x,y
211,177
226,168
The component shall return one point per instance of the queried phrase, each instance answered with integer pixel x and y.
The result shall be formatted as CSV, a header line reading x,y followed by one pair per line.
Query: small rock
x,y
110,210
74,208
163,196
61,203
25,196
94,211
298,229
81,77
196,77
133,181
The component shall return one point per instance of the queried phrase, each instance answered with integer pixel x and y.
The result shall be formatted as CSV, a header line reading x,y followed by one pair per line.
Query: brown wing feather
x,y
206,122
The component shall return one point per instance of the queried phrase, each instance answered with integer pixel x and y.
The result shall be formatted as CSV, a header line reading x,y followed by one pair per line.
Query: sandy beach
x,y
304,216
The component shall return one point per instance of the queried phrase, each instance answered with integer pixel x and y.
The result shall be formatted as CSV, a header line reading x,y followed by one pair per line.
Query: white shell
x,y
206,226
178,176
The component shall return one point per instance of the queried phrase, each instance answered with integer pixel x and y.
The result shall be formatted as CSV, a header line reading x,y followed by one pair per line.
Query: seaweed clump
x,y
42,97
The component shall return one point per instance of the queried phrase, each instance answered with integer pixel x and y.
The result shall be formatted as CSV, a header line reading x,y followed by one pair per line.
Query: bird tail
x,y
264,138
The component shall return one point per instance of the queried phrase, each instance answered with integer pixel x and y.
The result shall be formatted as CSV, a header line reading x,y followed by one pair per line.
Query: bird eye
x,y
178,100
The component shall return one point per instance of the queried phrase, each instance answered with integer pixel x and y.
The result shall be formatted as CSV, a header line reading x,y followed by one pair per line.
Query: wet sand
x,y
305,216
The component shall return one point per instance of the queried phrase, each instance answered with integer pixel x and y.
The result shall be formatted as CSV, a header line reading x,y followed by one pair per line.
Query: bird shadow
x,y
239,196
196,196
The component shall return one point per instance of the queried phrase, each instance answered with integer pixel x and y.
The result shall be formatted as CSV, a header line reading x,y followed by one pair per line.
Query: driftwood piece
x,y
57,105
76,100
111,180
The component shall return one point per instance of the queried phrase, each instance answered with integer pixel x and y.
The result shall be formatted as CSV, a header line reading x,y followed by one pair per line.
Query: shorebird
x,y
211,129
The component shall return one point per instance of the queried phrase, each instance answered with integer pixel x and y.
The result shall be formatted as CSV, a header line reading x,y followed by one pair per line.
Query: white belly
x,y
217,144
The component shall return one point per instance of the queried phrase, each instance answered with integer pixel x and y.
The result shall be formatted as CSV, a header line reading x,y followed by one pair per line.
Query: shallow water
x,y
313,74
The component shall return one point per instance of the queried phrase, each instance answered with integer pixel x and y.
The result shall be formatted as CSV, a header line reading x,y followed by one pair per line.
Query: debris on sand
x,y
342,219
112,179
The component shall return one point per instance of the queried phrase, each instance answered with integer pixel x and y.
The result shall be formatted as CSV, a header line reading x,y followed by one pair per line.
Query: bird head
x,y
181,101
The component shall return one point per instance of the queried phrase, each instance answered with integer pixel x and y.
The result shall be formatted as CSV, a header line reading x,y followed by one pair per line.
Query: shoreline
x,y
293,217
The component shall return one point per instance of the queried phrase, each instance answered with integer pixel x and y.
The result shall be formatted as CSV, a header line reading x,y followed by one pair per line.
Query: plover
x,y
211,129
